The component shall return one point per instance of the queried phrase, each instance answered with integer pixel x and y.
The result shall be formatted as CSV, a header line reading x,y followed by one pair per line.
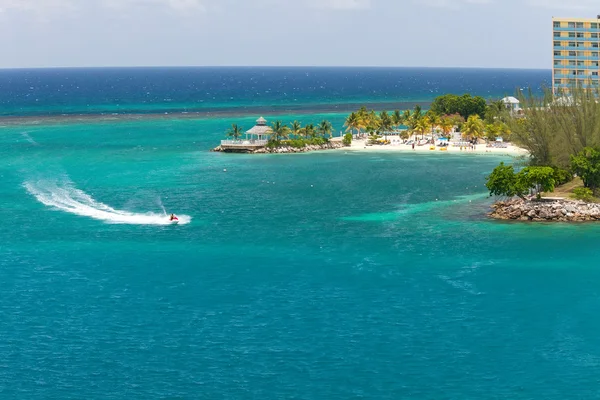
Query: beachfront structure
x,y
576,47
256,137
512,104
260,131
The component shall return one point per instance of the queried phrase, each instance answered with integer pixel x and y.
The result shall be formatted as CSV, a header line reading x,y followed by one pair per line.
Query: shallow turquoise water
x,y
327,275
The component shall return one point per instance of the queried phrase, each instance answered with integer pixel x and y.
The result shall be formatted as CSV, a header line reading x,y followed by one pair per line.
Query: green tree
x,y
235,131
421,126
352,122
541,179
586,164
309,131
433,120
446,125
295,128
325,128
385,123
473,128
279,131
465,105
503,182
396,119
347,140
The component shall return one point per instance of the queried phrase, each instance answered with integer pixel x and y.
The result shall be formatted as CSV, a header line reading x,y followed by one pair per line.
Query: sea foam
x,y
62,195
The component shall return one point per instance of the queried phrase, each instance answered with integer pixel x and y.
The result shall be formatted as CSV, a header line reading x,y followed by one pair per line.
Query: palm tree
x,y
385,122
473,128
433,120
295,128
417,112
279,131
309,131
446,125
396,119
352,123
325,128
235,132
421,126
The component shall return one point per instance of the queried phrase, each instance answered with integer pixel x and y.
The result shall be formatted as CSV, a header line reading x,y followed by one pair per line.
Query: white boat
x,y
173,220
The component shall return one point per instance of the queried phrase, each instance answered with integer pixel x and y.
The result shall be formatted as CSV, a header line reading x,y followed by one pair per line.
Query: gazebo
x,y
260,131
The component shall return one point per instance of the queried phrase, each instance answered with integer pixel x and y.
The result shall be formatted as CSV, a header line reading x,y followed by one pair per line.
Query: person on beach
x,y
413,145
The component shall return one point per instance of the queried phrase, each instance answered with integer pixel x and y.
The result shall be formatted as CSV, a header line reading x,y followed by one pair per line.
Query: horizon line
x,y
265,67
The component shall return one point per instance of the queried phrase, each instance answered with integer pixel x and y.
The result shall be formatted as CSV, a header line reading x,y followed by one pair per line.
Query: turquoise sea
x,y
331,275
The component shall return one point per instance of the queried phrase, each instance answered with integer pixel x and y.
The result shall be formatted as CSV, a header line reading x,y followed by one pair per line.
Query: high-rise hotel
x,y
576,46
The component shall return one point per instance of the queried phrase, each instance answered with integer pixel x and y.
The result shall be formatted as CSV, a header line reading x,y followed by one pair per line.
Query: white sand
x,y
360,145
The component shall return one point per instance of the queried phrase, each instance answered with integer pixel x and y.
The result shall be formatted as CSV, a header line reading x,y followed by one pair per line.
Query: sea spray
x,y
64,196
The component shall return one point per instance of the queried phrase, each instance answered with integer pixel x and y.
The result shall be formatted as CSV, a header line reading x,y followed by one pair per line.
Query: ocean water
x,y
330,275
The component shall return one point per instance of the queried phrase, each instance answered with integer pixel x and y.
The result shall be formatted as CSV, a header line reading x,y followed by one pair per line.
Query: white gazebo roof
x,y
261,121
510,100
260,130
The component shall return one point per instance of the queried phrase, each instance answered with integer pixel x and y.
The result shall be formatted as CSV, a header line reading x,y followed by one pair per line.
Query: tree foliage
x,y
465,105
586,164
504,181
235,131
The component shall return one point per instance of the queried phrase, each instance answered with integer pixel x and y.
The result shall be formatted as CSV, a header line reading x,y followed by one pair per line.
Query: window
x,y
572,54
571,34
571,44
571,24
594,73
557,44
594,54
580,63
556,24
580,54
594,25
579,25
595,45
580,44
557,81
572,63
579,34
595,64
557,54
594,36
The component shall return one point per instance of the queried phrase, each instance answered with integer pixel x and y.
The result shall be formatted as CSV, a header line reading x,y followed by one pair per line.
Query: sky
x,y
429,33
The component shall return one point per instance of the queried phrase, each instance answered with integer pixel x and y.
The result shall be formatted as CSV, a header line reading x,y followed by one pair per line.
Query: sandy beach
x,y
360,145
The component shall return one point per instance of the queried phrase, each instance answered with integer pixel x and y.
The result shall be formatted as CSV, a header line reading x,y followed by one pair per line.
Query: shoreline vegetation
x,y
561,179
453,123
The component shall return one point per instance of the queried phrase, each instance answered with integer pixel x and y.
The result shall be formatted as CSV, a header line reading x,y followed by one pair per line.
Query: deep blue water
x,y
176,90
331,275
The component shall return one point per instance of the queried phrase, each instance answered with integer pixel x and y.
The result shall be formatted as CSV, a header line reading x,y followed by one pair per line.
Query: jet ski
x,y
173,220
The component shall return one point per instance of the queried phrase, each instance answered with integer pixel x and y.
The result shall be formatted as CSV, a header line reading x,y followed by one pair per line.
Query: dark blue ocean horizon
x,y
243,90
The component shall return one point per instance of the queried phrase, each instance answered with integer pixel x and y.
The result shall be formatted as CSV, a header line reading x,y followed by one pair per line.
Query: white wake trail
x,y
66,197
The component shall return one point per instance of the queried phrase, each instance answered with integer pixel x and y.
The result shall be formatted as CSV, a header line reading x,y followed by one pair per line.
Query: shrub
x,y
583,193
347,140
562,176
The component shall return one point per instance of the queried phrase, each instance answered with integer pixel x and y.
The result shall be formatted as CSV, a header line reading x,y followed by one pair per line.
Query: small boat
x,y
173,220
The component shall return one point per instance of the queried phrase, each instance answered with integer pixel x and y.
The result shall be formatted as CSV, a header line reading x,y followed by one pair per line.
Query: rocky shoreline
x,y
546,210
284,149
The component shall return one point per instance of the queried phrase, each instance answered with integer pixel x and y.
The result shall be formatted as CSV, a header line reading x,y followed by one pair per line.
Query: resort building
x,y
576,44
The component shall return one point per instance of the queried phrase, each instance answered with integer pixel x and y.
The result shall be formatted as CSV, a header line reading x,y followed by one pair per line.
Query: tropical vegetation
x,y
562,134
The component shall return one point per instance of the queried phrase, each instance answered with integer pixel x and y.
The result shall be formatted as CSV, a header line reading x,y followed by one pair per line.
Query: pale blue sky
x,y
433,33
